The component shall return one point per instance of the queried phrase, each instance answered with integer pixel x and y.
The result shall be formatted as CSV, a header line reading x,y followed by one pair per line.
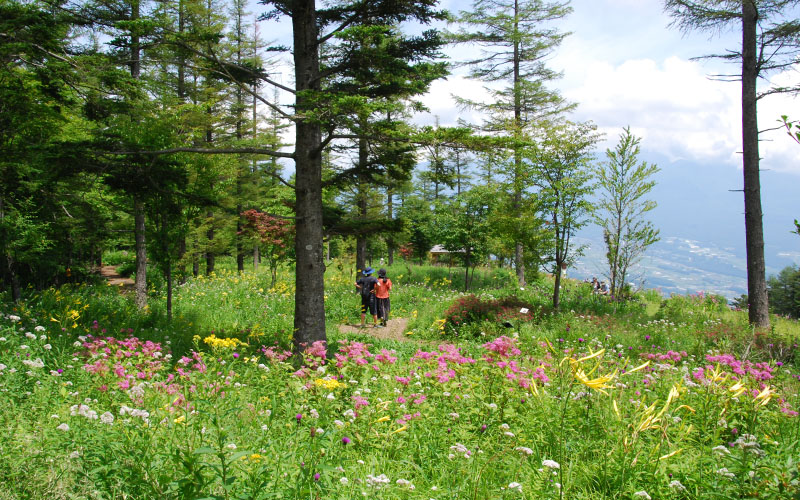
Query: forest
x,y
236,167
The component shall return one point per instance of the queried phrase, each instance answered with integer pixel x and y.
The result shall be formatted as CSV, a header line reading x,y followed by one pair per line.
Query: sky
x,y
625,66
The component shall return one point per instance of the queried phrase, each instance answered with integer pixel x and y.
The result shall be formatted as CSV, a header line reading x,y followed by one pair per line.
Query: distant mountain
x,y
700,215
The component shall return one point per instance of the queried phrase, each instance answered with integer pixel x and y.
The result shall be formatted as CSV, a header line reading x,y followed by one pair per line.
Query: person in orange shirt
x,y
382,288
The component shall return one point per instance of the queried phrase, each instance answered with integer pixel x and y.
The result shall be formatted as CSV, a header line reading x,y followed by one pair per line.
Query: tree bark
x,y
141,253
519,258
557,288
255,257
754,231
309,313
210,259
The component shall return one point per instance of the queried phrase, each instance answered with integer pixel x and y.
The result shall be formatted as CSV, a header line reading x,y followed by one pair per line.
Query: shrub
x,y
471,309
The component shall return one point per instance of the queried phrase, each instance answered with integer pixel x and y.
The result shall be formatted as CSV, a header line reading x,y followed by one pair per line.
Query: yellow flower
x,y
598,383
401,429
737,389
180,419
382,419
218,343
765,395
329,384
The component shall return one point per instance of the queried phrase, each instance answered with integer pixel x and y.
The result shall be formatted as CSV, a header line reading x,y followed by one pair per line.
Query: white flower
x,y
642,494
405,483
36,363
676,485
42,337
63,427
551,464
461,450
39,328
509,434
264,428
724,472
453,415
30,335
54,416
721,450
23,347
2,367
492,406
343,480
107,418
313,413
47,347
330,396
13,318
76,344
377,482
524,450
75,454
504,426
2,339
231,446
515,486
320,431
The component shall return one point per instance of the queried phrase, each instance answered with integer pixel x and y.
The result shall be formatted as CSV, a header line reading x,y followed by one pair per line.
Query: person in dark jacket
x,y
366,288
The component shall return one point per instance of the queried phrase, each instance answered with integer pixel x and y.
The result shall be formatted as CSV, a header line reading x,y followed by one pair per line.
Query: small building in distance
x,y
440,256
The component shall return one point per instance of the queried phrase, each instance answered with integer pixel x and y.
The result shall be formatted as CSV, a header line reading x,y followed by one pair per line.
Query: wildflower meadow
x,y
651,398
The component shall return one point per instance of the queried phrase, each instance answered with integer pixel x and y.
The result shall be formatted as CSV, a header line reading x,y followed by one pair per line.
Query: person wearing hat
x,y
382,296
366,287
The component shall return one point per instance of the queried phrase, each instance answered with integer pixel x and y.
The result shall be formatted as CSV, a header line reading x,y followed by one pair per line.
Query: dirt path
x,y
395,330
109,273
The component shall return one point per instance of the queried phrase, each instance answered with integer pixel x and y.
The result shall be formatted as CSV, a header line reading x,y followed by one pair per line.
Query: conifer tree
x,y
770,42
514,37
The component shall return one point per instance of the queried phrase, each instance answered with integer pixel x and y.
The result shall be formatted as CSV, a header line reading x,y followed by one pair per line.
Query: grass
x,y
650,398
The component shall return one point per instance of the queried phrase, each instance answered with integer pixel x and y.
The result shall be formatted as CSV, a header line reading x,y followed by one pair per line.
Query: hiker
x,y
382,296
366,286
604,290
595,285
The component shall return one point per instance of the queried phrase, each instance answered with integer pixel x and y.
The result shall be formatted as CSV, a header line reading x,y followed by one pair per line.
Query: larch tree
x,y
770,43
515,37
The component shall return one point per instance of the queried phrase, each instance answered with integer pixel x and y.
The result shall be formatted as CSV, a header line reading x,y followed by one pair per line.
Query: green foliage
x,y
622,182
784,292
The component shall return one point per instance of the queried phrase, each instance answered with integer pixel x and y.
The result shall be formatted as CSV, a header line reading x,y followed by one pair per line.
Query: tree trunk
x,y
255,258
309,313
557,288
141,253
169,288
361,201
239,244
390,240
210,258
754,232
182,266
195,265
519,259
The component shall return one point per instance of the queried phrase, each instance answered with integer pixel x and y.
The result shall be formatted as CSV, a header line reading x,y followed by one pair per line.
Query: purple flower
x,y
299,417
581,339
483,428
647,337
236,355
316,476
345,440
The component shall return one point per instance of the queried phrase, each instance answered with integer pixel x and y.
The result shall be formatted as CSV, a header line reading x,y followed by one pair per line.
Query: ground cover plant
x,y
653,398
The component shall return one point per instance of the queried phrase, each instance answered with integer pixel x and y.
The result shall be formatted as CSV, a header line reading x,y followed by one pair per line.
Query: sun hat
x,y
368,271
